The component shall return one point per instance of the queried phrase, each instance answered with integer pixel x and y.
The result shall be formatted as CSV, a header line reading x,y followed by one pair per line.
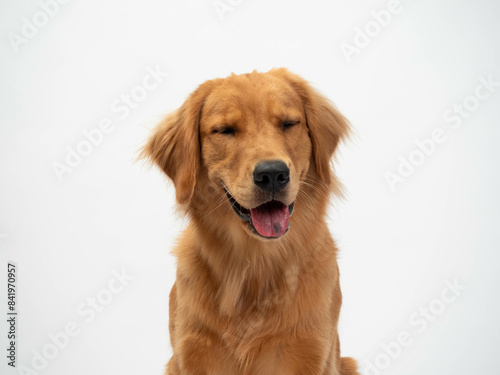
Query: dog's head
x,y
253,143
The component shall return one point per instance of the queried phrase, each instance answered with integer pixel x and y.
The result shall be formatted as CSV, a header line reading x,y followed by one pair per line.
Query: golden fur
x,y
243,304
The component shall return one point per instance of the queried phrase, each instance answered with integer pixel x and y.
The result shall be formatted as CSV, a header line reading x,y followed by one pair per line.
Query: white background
x,y
398,248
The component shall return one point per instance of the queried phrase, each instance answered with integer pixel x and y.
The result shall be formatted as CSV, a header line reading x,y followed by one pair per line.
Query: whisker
x,y
315,181
315,188
219,203
306,196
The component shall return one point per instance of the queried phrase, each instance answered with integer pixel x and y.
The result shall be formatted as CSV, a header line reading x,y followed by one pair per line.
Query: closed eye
x,y
289,123
226,130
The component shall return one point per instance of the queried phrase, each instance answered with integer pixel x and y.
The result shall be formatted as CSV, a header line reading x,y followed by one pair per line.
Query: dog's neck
x,y
252,272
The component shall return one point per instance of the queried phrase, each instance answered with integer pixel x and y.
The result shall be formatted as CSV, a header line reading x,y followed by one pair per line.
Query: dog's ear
x,y
174,144
327,126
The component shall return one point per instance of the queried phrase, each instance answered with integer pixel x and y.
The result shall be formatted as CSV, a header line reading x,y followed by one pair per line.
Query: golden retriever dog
x,y
257,289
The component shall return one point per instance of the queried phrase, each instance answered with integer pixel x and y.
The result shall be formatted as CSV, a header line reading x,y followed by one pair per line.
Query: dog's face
x,y
255,143
257,139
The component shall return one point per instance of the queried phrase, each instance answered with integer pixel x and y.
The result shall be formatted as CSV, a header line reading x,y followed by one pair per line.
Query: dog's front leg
x,y
298,356
200,353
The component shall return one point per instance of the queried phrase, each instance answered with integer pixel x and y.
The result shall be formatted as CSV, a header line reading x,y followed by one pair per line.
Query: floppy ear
x,y
327,126
174,144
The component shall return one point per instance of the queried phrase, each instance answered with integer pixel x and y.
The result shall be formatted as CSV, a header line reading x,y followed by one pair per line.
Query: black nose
x,y
271,175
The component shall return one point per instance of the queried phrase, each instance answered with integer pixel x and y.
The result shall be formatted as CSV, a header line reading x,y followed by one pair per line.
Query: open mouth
x,y
269,220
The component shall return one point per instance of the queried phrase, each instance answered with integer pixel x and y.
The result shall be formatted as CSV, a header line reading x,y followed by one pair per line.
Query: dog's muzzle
x,y
269,220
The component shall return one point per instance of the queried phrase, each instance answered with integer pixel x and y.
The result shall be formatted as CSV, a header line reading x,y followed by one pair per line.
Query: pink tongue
x,y
270,220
